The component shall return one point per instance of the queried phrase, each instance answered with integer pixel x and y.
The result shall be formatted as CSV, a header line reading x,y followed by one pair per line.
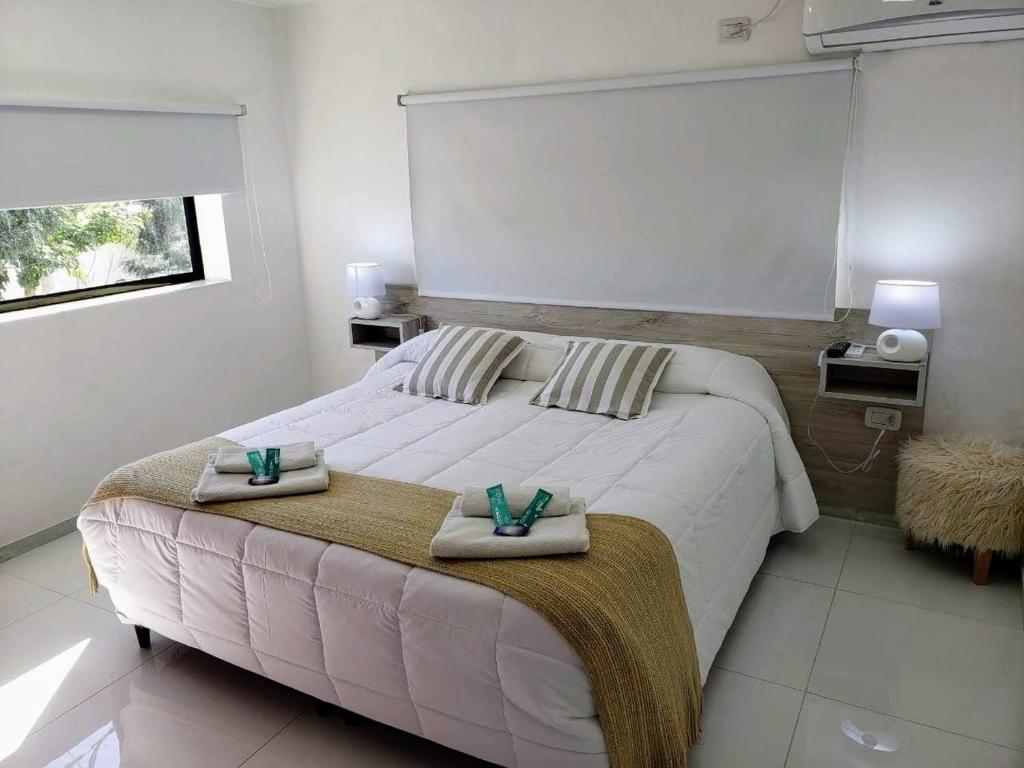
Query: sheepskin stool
x,y
966,492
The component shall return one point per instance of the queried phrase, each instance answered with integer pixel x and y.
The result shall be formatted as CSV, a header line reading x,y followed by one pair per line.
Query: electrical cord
x,y
255,220
865,465
841,228
775,9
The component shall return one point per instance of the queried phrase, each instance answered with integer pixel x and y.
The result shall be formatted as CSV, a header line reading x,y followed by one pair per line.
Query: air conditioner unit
x,y
874,25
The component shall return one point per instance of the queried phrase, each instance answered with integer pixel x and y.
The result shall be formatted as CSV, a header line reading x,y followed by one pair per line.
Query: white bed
x,y
712,465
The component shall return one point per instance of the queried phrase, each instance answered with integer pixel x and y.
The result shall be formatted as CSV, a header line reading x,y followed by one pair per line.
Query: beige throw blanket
x,y
620,606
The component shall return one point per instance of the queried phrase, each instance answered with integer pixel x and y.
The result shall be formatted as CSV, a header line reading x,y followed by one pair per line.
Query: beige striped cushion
x,y
462,364
608,377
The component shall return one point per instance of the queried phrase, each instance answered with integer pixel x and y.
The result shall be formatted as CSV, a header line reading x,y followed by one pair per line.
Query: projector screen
x,y
718,196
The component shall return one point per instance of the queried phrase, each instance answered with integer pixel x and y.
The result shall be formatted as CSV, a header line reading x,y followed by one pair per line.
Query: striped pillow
x,y
608,377
462,364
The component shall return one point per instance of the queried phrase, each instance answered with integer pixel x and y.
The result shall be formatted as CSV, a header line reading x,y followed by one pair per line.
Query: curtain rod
x,y
100,105
620,83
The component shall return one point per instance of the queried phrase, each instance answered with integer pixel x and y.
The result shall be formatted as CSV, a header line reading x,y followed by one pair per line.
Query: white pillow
x,y
687,373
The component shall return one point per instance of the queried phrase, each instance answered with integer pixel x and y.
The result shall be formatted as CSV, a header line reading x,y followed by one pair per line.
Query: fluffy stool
x,y
966,492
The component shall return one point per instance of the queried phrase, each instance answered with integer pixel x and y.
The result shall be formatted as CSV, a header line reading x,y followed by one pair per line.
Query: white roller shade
x,y
59,155
719,193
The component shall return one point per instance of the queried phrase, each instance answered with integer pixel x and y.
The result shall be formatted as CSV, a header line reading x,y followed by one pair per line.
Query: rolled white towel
x,y
231,459
470,537
476,504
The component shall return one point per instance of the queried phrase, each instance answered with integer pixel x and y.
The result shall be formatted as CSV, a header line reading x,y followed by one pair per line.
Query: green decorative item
x,y
273,462
499,506
535,508
259,468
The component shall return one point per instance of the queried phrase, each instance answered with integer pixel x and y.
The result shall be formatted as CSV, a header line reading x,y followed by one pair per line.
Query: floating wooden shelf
x,y
384,333
871,379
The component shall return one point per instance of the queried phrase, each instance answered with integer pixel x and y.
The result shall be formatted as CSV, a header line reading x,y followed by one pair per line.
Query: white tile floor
x,y
841,626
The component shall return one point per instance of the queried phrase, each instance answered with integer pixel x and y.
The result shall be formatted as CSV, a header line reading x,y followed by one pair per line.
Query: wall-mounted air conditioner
x,y
874,25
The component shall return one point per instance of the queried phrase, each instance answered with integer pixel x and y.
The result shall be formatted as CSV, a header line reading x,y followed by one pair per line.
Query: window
x,y
71,252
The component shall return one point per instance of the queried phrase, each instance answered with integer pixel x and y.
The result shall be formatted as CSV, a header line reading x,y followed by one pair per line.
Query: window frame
x,y
197,273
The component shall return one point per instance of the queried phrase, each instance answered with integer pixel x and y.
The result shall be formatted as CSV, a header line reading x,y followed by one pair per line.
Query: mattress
x,y
712,465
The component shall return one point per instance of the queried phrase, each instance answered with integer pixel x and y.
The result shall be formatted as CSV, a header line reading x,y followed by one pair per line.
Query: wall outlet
x,y
735,30
883,418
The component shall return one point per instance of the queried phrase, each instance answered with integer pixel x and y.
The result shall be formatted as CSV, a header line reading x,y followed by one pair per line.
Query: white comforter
x,y
712,465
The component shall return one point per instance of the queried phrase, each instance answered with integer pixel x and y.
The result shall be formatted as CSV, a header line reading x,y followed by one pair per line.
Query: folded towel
x,y
215,486
476,504
462,536
231,458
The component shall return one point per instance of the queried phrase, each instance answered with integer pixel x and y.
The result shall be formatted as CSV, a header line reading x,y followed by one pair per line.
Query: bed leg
x,y
325,709
351,718
142,635
982,561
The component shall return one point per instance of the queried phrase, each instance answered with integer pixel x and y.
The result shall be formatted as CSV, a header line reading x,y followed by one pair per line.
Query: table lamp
x,y
364,281
907,307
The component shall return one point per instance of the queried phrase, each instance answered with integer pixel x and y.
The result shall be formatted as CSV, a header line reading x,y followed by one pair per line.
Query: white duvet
x,y
712,465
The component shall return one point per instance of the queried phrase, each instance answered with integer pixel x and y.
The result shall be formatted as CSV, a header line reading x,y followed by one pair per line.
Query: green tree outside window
x,y
35,242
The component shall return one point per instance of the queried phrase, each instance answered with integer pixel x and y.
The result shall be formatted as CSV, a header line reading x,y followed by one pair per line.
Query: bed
x,y
712,465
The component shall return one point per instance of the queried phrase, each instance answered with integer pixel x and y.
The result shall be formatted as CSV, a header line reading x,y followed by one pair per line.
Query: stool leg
x,y
982,561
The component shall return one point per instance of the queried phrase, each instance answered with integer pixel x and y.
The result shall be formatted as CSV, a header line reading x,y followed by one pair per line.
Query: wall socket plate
x,y
883,418
734,30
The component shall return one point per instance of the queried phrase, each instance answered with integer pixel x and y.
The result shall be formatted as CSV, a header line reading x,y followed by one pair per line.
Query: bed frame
x,y
788,349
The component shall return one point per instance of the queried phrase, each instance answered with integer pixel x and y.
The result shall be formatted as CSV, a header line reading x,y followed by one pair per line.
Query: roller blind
x,y
717,196
60,155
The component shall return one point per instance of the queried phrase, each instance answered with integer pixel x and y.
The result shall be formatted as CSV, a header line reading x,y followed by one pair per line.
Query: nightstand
x,y
384,333
871,379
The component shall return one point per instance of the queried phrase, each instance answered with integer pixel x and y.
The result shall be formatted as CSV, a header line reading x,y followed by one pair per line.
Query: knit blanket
x,y
620,605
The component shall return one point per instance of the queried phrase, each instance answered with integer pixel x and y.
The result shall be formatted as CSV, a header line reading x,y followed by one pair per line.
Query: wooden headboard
x,y
788,349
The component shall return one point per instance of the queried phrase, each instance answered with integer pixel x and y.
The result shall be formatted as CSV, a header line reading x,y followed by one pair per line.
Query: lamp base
x,y
901,345
366,308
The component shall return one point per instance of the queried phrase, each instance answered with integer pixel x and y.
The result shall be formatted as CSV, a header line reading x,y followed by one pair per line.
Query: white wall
x,y
936,188
351,58
937,192
85,389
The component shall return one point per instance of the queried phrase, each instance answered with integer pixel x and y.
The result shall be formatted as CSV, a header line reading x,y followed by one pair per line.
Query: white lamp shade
x,y
905,304
364,279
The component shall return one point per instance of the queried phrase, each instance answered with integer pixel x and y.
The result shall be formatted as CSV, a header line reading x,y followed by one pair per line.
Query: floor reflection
x,y
100,749
24,698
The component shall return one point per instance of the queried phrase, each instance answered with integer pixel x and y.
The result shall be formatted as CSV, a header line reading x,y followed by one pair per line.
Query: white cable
x,y
865,465
255,221
775,9
842,225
